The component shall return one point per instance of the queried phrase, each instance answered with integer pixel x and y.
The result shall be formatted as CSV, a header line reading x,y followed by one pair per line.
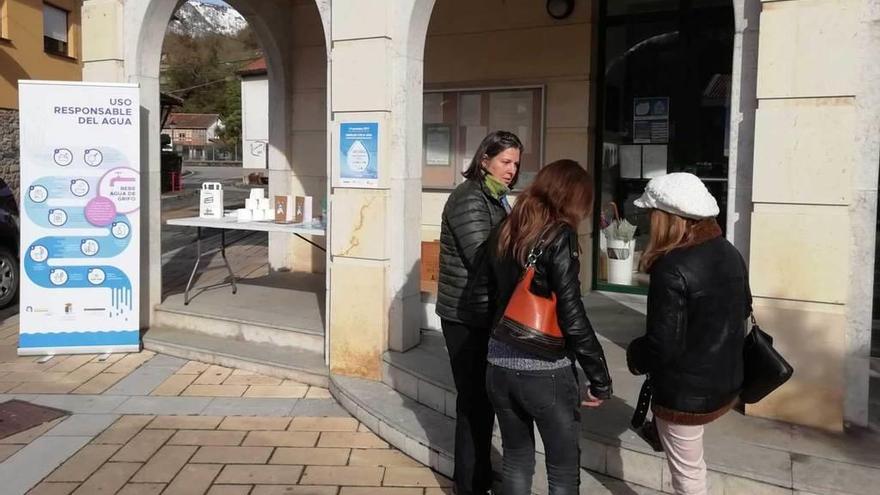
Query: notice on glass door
x,y
651,120
80,220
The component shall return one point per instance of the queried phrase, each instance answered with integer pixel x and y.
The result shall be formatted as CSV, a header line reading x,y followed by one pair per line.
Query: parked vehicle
x,y
9,256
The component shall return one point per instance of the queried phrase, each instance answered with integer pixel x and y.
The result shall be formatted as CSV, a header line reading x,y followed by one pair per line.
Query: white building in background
x,y
192,134
255,115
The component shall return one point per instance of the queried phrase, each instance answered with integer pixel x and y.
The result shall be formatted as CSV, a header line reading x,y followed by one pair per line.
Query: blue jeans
x,y
548,399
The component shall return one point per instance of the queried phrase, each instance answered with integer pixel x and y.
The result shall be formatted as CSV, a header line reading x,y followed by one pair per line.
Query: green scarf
x,y
496,188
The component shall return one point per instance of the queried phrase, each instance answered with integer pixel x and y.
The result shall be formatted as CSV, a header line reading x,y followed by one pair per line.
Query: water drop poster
x,y
358,154
80,218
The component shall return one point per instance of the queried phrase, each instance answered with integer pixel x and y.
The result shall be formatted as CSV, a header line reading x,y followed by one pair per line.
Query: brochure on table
x,y
80,222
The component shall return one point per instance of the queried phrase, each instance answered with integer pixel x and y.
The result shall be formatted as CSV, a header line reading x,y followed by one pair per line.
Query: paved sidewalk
x,y
148,424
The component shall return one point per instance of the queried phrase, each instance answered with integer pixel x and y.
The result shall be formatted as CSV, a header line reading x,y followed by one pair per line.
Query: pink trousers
x,y
684,452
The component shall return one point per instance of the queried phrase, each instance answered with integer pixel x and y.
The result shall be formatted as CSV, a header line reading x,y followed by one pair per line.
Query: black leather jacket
x,y
557,270
469,216
698,303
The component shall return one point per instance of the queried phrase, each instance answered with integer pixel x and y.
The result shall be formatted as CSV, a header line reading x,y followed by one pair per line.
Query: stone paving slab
x,y
250,407
83,425
186,422
193,478
311,455
164,466
141,381
318,407
163,361
80,466
163,405
34,462
86,404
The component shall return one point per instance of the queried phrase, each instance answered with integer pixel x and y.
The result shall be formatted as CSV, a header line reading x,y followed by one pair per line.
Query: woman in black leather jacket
x,y
528,389
698,303
473,209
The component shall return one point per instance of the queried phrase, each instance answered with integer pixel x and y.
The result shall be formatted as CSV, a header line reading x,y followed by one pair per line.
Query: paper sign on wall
x,y
359,154
80,221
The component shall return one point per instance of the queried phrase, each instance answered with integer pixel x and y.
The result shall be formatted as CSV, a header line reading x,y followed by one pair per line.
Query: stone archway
x,y
143,26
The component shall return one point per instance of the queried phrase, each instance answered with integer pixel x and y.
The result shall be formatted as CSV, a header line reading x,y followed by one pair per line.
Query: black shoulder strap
x,y
546,238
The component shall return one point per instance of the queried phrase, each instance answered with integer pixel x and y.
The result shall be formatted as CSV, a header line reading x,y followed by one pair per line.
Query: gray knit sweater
x,y
506,356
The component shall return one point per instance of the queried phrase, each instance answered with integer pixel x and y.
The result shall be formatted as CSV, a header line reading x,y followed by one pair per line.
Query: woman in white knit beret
x,y
698,302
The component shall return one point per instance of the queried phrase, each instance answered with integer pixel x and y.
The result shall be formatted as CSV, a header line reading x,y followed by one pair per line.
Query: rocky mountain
x,y
198,18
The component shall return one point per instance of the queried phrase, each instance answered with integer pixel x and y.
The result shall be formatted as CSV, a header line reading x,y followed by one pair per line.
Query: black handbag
x,y
764,369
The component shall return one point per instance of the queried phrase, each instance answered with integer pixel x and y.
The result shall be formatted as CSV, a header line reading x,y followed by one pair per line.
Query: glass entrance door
x,y
664,103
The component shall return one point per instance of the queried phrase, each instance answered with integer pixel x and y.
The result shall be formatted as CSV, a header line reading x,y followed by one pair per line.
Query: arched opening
x,y
502,65
269,91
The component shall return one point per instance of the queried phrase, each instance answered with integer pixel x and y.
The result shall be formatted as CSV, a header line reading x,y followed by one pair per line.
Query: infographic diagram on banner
x,y
80,183
358,154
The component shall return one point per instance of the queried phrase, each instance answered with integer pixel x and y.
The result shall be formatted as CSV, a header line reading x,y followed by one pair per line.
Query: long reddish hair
x,y
561,192
669,232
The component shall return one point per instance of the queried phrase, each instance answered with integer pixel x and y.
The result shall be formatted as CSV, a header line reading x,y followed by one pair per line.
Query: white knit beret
x,y
681,194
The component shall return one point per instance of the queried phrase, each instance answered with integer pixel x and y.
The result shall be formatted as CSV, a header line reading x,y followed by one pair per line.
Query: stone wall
x,y
9,167
805,202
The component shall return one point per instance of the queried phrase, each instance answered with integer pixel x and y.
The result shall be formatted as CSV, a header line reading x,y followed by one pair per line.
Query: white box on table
x,y
211,200
244,215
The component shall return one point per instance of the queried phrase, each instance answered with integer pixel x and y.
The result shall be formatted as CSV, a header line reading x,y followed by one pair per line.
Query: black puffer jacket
x,y
698,303
557,271
469,216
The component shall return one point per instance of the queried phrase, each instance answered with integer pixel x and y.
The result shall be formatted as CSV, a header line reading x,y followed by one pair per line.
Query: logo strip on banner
x,y
80,221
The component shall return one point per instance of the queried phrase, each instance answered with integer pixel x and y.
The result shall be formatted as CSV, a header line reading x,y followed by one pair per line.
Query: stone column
x,y
115,34
743,103
806,242
103,54
863,212
374,235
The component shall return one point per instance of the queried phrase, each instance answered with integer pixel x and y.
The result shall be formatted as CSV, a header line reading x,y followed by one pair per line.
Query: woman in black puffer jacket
x,y
463,301
698,303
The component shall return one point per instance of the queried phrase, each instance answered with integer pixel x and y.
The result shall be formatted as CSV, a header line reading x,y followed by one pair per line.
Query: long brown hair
x,y
561,192
670,231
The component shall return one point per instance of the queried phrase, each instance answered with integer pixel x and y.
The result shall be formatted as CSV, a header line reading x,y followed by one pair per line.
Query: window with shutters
x,y
55,30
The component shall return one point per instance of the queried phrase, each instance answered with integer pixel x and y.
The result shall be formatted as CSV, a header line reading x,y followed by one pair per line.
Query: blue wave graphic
x,y
79,339
77,277
58,247
67,247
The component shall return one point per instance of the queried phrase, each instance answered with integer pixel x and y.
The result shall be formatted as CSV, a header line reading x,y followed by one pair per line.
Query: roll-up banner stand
x,y
80,217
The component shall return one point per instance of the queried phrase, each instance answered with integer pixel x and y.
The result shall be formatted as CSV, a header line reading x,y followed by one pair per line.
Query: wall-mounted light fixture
x,y
560,9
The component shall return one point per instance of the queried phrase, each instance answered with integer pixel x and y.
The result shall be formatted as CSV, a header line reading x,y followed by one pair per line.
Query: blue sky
x,y
215,2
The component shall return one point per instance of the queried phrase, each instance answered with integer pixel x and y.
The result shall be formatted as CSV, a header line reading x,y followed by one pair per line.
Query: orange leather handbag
x,y
529,322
